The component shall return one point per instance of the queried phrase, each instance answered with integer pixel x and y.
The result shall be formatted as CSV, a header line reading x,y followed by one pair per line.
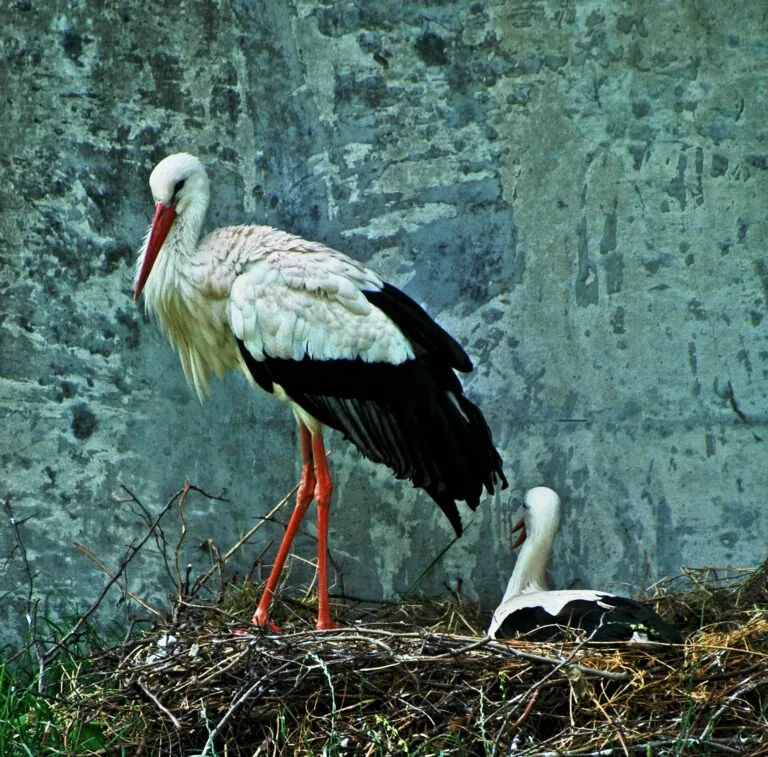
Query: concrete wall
x,y
576,190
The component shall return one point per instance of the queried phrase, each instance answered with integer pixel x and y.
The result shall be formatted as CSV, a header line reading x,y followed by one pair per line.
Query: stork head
x,y
541,515
179,185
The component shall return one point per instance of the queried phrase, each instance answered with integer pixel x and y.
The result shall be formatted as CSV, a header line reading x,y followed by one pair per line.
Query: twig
x,y
472,643
187,574
527,711
232,550
216,672
611,676
456,653
131,553
123,587
616,728
180,542
729,673
644,748
31,613
761,681
533,688
160,541
507,649
257,563
158,703
230,711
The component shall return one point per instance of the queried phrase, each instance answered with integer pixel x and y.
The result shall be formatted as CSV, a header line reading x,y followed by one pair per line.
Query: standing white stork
x,y
528,608
327,335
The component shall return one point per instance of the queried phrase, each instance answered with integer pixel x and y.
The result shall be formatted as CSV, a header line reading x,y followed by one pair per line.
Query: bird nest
x,y
200,686
422,678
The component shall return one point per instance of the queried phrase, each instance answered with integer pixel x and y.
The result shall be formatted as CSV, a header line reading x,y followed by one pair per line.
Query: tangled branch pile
x,y
422,678
198,686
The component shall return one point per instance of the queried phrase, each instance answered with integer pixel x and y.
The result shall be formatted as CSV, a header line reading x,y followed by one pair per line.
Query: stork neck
x,y
185,232
531,566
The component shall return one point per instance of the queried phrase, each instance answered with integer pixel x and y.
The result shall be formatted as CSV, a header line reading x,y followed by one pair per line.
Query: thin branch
x,y
532,689
31,613
123,586
232,550
257,562
743,689
234,706
179,544
159,704
131,553
616,727
472,644
559,663
643,748
160,541
527,711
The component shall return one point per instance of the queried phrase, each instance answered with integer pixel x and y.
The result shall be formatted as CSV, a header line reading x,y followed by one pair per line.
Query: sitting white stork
x,y
322,332
529,609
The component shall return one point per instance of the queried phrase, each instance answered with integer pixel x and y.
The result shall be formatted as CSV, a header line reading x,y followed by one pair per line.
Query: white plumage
x,y
324,333
528,608
289,311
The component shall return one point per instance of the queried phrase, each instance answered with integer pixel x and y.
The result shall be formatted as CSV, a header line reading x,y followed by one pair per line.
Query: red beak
x,y
519,526
161,225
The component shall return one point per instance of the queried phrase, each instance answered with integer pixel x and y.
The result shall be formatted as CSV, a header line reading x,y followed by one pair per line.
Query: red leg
x,y
323,498
303,498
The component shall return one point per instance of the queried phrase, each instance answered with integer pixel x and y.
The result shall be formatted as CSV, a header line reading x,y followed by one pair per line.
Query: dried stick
x,y
527,711
180,541
160,541
123,586
507,649
130,554
159,704
751,686
645,748
230,711
566,663
533,689
616,727
232,550
257,563
31,613
456,653
338,634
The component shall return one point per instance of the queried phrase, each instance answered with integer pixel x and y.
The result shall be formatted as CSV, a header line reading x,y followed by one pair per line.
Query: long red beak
x,y
161,225
519,526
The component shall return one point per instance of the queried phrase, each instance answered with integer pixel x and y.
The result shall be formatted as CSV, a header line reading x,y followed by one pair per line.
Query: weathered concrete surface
x,y
576,190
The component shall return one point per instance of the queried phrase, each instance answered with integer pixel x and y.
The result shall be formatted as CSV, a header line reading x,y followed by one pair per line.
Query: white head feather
x,y
169,172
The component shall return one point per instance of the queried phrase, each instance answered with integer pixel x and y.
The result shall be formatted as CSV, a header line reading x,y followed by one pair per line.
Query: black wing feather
x,y
619,622
426,336
412,417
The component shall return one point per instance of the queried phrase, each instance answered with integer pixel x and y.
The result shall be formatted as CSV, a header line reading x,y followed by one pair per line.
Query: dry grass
x,y
422,678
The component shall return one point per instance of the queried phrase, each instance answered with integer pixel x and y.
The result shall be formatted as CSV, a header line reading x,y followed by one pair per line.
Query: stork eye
x,y
179,186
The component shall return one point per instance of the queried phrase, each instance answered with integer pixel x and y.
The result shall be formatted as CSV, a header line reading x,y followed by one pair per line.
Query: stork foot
x,y
261,619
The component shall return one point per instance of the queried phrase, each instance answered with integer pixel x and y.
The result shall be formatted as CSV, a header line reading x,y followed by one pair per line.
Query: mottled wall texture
x,y
577,190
